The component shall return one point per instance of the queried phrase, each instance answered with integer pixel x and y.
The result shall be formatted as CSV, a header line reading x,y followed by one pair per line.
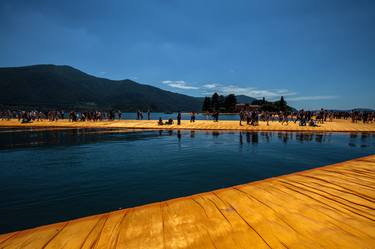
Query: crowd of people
x,y
140,115
249,117
73,116
303,117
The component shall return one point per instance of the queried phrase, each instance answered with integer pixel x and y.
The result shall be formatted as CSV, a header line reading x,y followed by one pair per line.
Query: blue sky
x,y
315,53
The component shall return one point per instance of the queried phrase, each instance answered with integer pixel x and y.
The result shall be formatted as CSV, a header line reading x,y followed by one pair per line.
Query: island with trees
x,y
230,104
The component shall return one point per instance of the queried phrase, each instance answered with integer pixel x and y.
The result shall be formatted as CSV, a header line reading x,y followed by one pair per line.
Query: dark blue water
x,y
50,176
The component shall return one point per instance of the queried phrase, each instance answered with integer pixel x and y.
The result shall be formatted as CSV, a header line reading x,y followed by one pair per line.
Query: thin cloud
x,y
317,97
254,92
249,91
179,84
270,94
210,86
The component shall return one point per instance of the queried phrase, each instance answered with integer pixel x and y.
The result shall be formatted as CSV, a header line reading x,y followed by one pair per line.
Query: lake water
x,y
56,175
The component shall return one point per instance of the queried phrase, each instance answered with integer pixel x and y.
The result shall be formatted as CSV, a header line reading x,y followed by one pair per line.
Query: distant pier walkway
x,y
334,126
327,207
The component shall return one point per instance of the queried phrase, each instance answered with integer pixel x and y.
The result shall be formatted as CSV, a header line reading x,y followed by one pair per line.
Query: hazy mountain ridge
x,y
67,87
243,99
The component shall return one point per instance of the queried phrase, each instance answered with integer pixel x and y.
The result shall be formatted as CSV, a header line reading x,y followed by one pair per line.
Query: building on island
x,y
246,107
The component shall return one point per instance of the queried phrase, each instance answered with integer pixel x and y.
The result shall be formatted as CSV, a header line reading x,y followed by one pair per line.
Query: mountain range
x,y
243,99
52,86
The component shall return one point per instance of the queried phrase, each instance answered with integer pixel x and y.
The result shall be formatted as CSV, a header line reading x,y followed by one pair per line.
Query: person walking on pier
x,y
178,118
192,117
242,116
254,118
248,117
320,116
284,118
266,117
215,115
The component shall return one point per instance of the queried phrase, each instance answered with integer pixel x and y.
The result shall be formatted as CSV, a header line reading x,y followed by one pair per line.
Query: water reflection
x,y
251,137
266,136
360,139
285,137
215,133
46,137
192,134
33,138
179,135
364,136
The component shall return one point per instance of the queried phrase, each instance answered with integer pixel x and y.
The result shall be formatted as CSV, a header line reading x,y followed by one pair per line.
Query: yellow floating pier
x,y
327,207
334,126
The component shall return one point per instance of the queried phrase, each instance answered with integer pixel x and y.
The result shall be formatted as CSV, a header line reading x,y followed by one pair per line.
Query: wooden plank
x,y
327,207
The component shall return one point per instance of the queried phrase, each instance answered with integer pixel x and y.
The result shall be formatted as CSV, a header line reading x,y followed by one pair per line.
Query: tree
x,y
282,104
230,102
222,103
206,104
215,102
257,102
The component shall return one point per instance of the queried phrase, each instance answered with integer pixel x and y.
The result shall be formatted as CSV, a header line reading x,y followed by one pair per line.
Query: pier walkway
x,y
327,207
334,126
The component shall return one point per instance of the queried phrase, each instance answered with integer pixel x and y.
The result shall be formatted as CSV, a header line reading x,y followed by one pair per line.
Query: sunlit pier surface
x,y
327,207
333,126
